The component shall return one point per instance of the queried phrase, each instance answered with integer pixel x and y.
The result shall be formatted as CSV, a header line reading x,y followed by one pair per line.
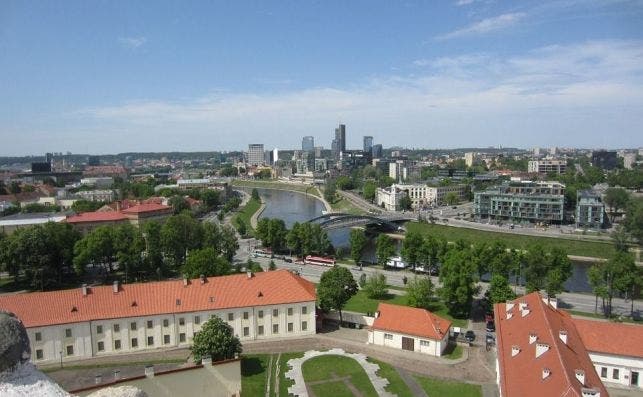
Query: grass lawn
x,y
276,185
325,367
453,351
572,247
396,384
335,389
443,388
245,214
253,374
284,383
343,205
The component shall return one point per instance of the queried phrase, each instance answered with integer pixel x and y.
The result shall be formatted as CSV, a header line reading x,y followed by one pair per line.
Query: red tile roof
x,y
108,216
410,321
142,208
611,338
522,374
38,309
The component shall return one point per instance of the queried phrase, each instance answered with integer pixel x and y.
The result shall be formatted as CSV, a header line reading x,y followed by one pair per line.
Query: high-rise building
x,y
377,151
604,159
469,158
308,144
339,143
368,144
275,155
255,154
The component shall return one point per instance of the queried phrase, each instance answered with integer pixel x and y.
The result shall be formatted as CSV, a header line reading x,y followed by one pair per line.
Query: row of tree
x,y
303,238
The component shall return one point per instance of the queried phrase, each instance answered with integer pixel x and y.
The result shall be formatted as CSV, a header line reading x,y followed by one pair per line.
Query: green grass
x,y
324,367
276,185
284,383
453,351
572,247
396,385
335,389
443,388
345,206
253,374
245,214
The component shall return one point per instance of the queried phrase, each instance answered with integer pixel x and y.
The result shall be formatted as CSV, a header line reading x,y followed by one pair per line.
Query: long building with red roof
x,y
94,321
540,352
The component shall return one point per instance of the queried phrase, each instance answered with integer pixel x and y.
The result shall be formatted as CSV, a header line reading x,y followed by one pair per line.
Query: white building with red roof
x,y
94,321
136,215
540,352
409,328
616,349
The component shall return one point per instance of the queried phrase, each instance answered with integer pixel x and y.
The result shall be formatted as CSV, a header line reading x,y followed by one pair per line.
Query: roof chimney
x,y
202,277
541,348
532,337
515,349
84,289
116,286
580,375
562,334
546,372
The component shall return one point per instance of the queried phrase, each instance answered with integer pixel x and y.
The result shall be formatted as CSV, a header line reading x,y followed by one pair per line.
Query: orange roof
x,y
96,217
611,338
410,321
149,207
521,372
39,309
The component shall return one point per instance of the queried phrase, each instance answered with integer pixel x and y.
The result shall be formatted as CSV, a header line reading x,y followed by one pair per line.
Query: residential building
x,y
11,223
629,160
96,321
546,166
96,195
522,201
423,196
397,170
469,159
604,159
98,181
368,144
308,144
136,215
540,352
409,328
590,209
255,154
615,349
143,213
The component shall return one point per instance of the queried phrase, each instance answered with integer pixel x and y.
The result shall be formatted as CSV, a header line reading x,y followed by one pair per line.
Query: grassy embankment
x,y
275,185
244,215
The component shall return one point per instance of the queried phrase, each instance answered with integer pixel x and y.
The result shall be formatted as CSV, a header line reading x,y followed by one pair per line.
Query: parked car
x,y
288,260
491,326
470,336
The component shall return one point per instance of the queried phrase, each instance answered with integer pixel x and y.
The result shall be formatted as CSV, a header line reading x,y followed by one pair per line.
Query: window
x,y
603,372
275,312
181,321
182,337
615,373
304,326
38,336
388,336
150,341
290,311
197,320
117,328
134,343
230,316
275,328
425,343
245,315
68,333
260,330
166,322
260,314
117,344
304,310
246,331
101,346
132,326
290,327
70,350
166,339
150,324
39,354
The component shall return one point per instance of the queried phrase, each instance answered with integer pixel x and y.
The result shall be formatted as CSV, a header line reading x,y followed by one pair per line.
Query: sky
x,y
113,76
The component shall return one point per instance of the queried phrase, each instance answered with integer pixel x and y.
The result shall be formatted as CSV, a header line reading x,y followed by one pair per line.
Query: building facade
x,y
90,322
422,196
308,144
255,154
604,159
546,166
590,210
368,144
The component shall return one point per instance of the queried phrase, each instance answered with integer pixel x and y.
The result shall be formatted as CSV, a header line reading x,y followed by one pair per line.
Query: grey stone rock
x,y
14,342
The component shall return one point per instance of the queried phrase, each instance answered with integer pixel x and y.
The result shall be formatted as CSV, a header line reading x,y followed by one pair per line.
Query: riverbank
x,y
308,190
246,215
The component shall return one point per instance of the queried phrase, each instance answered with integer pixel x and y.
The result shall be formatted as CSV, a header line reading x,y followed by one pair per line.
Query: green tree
x,y
368,190
375,286
179,234
412,248
362,280
241,227
458,282
620,238
216,340
419,292
616,199
451,198
384,249
255,195
211,199
358,242
205,261
128,244
80,206
330,190
153,251
229,244
272,265
336,286
546,270
344,183
178,204
499,289
405,203
612,277
272,233
97,247
634,219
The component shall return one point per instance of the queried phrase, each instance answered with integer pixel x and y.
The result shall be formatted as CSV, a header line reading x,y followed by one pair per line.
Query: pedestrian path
x,y
410,381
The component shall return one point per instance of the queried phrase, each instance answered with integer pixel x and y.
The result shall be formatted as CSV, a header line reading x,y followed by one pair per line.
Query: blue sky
x,y
113,76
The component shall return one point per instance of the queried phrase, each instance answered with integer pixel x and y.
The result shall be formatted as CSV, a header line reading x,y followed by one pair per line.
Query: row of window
x,y
615,373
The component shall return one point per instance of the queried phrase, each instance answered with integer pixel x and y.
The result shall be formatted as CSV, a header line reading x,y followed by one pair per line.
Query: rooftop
x,y
611,338
410,321
148,207
32,218
107,216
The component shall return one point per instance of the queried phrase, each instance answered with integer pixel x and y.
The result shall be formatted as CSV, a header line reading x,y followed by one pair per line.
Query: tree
x,y
97,248
272,265
362,280
330,190
128,245
634,219
229,244
272,233
153,249
458,283
384,249
358,242
205,261
336,286
451,198
616,198
179,204
419,292
211,198
405,203
369,190
412,247
241,227
307,238
612,277
179,234
80,206
499,289
375,286
216,340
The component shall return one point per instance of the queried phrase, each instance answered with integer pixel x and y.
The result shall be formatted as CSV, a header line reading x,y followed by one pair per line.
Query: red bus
x,y
319,260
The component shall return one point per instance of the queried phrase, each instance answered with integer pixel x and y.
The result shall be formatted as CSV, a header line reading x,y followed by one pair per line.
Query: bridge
x,y
338,220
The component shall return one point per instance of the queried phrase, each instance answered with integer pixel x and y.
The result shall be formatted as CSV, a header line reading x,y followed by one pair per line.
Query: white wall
x,y
433,347
624,365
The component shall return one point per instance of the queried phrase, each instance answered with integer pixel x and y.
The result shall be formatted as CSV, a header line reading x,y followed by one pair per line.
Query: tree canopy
x,y
336,286
216,340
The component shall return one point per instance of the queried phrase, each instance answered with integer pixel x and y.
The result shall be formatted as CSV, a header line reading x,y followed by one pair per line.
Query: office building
x,y
590,210
546,166
377,151
368,144
339,143
255,154
397,171
308,144
604,159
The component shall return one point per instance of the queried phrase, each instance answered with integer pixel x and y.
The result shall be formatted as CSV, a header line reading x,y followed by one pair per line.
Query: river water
x,y
298,207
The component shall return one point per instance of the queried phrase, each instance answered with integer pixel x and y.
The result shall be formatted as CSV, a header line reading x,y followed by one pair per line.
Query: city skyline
x,y
110,78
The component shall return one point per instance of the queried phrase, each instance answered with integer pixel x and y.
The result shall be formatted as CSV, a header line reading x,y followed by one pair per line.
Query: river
x,y
298,207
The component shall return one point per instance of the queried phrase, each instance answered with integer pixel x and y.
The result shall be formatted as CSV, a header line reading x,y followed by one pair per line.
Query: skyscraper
x,y
308,144
377,151
339,143
368,144
255,154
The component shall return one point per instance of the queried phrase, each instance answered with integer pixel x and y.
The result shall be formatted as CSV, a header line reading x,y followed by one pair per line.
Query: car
x,y
288,260
491,326
470,336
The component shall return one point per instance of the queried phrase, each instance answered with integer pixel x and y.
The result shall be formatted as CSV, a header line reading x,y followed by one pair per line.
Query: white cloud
x,y
485,26
132,42
460,3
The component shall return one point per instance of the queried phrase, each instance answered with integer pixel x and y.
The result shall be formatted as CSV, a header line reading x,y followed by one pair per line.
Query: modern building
x,y
339,143
98,182
96,321
377,151
368,144
590,209
540,351
409,328
421,195
469,159
522,201
615,349
308,144
255,155
397,171
546,166
604,159
629,160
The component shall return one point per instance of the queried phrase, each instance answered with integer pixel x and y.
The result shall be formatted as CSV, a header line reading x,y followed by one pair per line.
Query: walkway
x,y
410,381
